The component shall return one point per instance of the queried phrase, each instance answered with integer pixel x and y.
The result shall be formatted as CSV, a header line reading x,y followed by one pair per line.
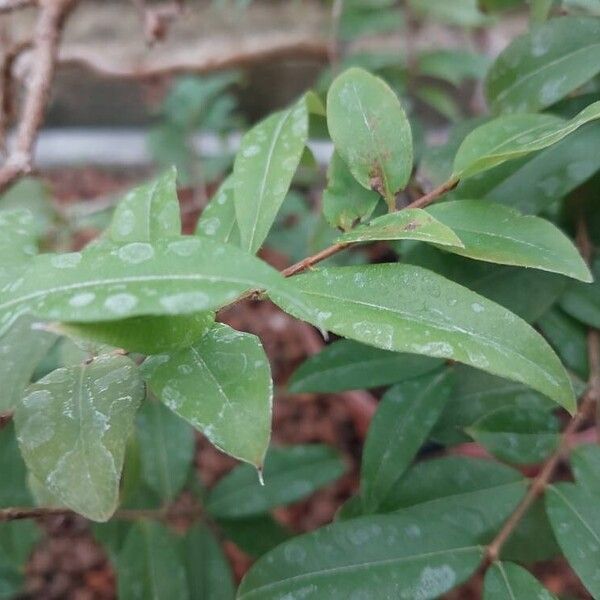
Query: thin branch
x,y
157,19
308,262
7,6
47,36
435,194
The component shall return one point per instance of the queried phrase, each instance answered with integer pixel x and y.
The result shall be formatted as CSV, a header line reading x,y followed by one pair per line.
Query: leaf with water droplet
x,y
539,68
409,309
290,474
222,386
72,428
512,136
500,234
370,132
218,221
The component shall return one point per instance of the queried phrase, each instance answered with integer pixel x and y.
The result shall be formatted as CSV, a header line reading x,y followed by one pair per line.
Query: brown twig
x,y
434,195
47,35
157,19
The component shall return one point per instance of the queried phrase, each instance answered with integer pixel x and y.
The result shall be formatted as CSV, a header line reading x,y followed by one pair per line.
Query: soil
x,y
68,564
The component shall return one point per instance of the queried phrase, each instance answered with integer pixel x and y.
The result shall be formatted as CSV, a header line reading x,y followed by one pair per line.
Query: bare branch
x,y
46,39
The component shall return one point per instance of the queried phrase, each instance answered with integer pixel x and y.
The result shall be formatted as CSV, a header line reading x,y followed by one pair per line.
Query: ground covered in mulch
x,y
69,564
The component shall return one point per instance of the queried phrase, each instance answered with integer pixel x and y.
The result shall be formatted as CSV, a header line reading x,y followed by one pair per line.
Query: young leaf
x,y
407,224
290,474
217,220
544,65
477,394
345,201
349,365
575,517
523,437
370,132
208,573
222,386
403,420
148,213
149,566
512,136
507,581
72,428
147,335
21,350
170,277
382,556
499,234
263,170
583,301
167,449
409,309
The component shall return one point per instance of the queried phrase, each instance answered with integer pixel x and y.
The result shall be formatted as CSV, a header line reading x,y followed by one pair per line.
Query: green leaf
x,y
499,234
568,338
222,386
147,335
583,301
453,65
575,517
72,428
33,195
263,170
382,556
512,136
370,132
507,581
148,213
18,242
290,474
544,65
255,535
21,350
217,220
477,394
14,490
523,437
149,566
408,309
171,277
404,418
407,224
465,13
349,365
345,201
585,464
167,449
17,540
208,573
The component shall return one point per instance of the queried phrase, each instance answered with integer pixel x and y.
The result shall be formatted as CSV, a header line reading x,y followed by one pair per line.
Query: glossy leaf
x,y
290,474
345,201
499,234
370,132
520,437
21,349
181,276
575,517
72,428
407,224
582,301
166,447
147,335
208,573
263,170
404,418
217,220
544,65
477,394
349,365
409,309
507,581
148,213
222,386
512,136
384,556
149,566
585,464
